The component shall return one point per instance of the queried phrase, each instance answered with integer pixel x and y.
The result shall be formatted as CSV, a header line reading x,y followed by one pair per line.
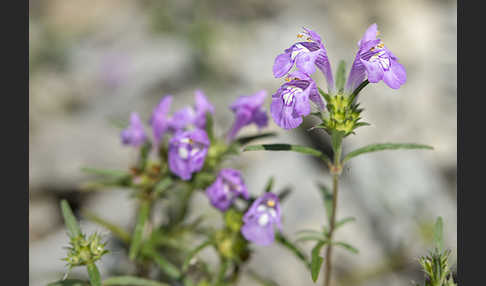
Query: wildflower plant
x,y
180,156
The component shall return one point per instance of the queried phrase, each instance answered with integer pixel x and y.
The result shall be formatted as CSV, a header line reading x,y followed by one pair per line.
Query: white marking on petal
x,y
289,94
298,48
183,153
194,151
273,213
185,140
263,219
261,208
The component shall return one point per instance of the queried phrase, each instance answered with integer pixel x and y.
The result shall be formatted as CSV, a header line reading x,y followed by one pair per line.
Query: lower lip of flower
x,y
289,94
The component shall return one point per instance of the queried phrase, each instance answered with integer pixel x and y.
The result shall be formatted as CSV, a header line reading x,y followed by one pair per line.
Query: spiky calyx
x,y
84,251
343,115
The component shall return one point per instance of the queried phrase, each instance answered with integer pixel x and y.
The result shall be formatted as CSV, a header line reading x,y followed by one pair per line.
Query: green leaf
x,y
283,194
326,96
347,246
193,252
260,279
358,89
69,219
288,147
269,185
343,222
69,282
438,231
384,146
280,238
247,139
320,238
210,126
163,185
131,281
340,76
144,154
143,215
327,199
106,172
94,274
316,260
166,266
114,229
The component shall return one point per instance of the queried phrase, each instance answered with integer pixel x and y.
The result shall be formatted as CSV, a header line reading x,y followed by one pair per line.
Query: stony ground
x,y
92,62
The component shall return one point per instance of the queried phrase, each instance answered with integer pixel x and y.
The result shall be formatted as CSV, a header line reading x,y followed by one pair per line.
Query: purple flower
x,y
160,119
227,186
134,135
192,116
291,101
376,62
306,55
248,110
259,220
187,152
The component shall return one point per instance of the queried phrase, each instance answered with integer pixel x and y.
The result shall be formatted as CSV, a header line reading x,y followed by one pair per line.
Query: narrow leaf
x,y
269,185
340,76
282,195
69,282
347,246
166,266
320,238
358,90
344,221
438,231
117,231
94,274
326,96
143,215
210,126
247,139
384,146
144,154
193,252
131,281
163,185
69,219
280,238
327,199
260,279
316,260
105,172
288,147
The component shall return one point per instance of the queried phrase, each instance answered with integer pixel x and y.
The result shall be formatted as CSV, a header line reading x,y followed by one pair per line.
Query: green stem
x,y
143,215
94,274
335,171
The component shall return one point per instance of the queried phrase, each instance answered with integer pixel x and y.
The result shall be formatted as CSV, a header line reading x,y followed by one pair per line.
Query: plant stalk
x,y
335,171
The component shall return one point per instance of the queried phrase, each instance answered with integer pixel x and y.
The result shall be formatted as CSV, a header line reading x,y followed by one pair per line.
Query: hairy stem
x,y
328,263
335,171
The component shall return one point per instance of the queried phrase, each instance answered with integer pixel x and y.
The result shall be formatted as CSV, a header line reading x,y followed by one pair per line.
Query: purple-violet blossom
x,y
226,188
248,110
192,116
260,219
306,55
160,119
134,134
291,101
187,152
376,62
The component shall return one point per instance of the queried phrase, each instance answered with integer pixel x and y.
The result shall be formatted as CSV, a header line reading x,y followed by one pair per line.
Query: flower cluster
x,y
189,143
292,101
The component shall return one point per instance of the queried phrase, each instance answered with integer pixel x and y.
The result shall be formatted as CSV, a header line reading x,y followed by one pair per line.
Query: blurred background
x,y
93,62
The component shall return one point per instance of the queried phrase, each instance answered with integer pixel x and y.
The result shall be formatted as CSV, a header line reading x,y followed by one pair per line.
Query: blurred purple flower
x,y
160,119
306,55
259,220
226,188
248,110
291,101
187,152
134,134
376,62
195,116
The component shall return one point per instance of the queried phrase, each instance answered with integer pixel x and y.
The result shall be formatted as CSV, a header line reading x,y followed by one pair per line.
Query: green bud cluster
x,y
436,268
84,251
343,115
229,241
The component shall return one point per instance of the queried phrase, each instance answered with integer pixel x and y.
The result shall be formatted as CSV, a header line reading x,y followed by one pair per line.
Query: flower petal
x,y
283,63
